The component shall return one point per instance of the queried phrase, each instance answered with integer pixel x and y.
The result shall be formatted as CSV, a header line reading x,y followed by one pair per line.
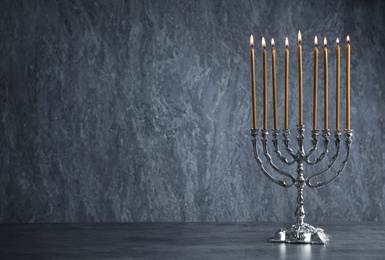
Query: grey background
x,y
140,110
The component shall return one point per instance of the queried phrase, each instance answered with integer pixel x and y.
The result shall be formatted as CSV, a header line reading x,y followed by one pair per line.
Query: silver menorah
x,y
301,232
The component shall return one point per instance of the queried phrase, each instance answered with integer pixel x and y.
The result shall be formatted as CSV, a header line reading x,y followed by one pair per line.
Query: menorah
x,y
301,232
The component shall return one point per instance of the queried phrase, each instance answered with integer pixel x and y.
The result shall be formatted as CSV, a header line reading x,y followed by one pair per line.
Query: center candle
x,y
300,78
326,90
287,84
273,76
315,100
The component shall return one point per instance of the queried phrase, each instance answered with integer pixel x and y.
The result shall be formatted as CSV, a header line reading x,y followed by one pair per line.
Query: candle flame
x,y
315,40
272,42
263,42
325,41
299,37
348,39
251,41
338,41
287,42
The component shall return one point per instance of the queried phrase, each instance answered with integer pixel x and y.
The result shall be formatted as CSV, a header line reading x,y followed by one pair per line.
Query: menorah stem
x,y
300,184
300,138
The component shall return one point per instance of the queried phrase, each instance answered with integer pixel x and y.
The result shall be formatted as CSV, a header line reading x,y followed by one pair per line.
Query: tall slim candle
x,y
274,80
300,101
315,100
326,91
264,84
253,94
348,83
287,84
337,84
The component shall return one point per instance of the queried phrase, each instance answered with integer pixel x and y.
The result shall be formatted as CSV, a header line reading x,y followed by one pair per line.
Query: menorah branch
x,y
286,141
283,183
331,163
325,135
265,133
348,137
277,150
314,141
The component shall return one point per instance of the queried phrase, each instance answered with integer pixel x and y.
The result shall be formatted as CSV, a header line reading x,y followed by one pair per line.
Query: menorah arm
x,y
277,150
314,141
283,183
265,133
325,135
286,140
348,134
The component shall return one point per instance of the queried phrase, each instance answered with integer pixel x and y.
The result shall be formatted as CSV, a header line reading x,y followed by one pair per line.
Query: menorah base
x,y
301,234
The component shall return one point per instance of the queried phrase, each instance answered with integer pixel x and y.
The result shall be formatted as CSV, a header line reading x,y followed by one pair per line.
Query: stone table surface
x,y
350,240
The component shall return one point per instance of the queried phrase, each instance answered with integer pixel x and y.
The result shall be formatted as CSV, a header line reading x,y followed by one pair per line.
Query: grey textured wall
x,y
140,110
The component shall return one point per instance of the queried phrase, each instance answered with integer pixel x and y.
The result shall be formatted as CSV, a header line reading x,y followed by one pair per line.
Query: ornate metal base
x,y
301,234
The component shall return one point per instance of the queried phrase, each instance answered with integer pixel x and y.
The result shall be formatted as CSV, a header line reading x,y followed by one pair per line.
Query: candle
x,y
264,84
254,106
337,84
348,83
273,76
315,100
300,77
287,84
326,122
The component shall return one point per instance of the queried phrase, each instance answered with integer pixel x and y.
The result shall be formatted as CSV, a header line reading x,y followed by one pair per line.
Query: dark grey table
x,y
355,240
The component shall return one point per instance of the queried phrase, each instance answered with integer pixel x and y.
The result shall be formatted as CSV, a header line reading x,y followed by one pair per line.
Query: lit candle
x,y
264,84
287,84
253,95
338,84
300,77
315,83
348,83
273,76
326,122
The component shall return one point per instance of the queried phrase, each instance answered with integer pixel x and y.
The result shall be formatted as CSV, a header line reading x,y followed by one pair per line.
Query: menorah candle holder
x,y
301,232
